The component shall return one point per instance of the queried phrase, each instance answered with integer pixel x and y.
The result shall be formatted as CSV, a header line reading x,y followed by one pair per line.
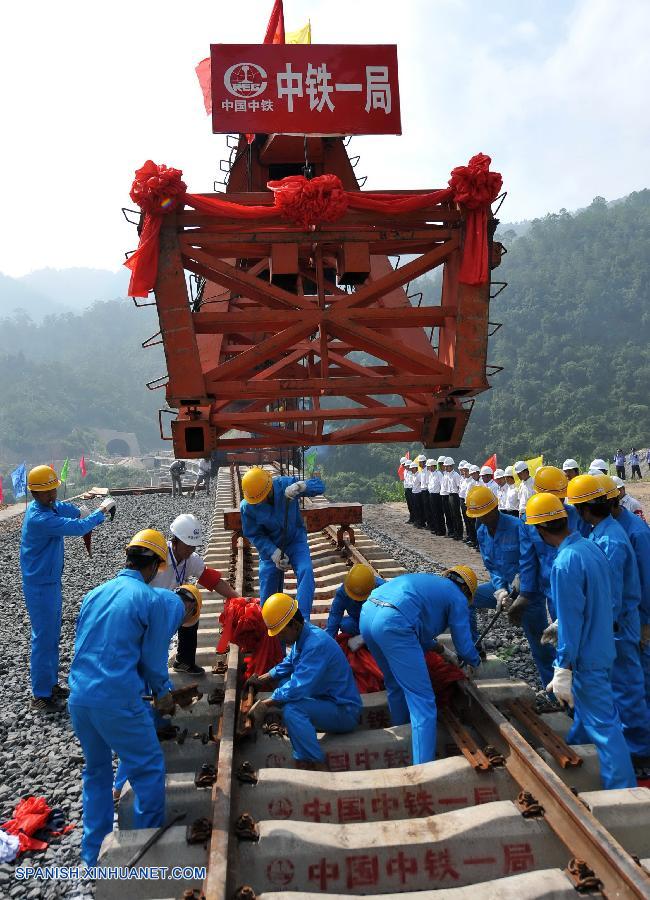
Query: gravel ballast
x,y
39,753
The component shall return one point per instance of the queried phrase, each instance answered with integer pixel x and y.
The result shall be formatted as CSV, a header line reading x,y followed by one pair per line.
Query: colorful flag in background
x,y
533,465
82,466
19,481
64,471
310,462
491,461
301,36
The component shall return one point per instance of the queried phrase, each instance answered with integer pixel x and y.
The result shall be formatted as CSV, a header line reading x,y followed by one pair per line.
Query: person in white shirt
x,y
432,496
511,498
416,490
185,565
570,468
404,461
500,481
205,470
626,500
466,481
487,477
526,487
423,476
451,501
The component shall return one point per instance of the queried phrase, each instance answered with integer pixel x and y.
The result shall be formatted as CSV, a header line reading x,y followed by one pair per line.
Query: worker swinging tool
x,y
271,521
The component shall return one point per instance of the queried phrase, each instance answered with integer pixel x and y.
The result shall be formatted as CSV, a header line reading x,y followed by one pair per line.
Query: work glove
x,y
165,705
561,685
549,635
83,511
501,596
257,713
280,559
355,642
295,490
645,635
108,507
315,485
253,683
517,609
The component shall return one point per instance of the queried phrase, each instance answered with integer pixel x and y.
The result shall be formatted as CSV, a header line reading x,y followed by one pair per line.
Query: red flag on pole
x,y
82,466
275,28
491,461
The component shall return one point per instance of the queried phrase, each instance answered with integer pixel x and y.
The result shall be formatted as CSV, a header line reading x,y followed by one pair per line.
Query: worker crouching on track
x,y
271,521
47,521
185,565
399,621
123,635
498,538
314,685
582,595
348,601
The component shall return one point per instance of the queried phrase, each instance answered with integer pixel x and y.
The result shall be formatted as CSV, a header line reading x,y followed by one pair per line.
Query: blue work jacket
x,y
342,604
315,667
431,604
500,551
536,557
638,533
262,523
123,634
626,587
41,542
581,590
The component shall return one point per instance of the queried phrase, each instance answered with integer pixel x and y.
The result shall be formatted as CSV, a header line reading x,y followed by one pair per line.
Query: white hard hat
x,y
414,464
441,459
595,471
421,457
618,481
487,470
431,462
403,460
463,464
509,472
499,473
449,461
569,464
473,469
520,465
187,529
599,464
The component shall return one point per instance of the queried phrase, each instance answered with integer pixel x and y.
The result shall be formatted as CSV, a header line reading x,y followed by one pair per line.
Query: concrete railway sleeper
x,y
507,809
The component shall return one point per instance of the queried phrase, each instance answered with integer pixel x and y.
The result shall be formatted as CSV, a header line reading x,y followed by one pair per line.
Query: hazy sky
x,y
556,91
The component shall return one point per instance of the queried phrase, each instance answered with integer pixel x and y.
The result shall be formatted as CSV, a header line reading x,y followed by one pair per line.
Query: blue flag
x,y
19,481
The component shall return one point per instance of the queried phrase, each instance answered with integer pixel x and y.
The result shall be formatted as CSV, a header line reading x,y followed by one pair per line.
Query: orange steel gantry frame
x,y
304,338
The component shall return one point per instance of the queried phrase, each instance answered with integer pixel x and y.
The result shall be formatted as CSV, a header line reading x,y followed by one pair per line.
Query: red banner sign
x,y
305,89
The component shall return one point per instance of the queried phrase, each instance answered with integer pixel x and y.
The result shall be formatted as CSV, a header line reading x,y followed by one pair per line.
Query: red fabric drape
x,y
30,815
367,674
158,189
443,676
243,625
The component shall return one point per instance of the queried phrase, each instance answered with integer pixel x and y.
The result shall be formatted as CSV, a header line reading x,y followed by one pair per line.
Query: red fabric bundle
x,y
243,625
310,201
367,674
443,675
30,815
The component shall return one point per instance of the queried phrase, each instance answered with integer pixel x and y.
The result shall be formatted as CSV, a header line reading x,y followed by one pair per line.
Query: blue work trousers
x,y
159,721
44,604
272,579
595,721
303,718
629,696
129,732
397,650
534,622
645,665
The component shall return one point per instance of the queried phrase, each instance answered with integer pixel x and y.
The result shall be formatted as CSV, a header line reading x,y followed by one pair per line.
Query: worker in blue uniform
x,y
272,522
498,538
638,533
581,587
348,601
400,620
47,521
591,497
121,650
313,685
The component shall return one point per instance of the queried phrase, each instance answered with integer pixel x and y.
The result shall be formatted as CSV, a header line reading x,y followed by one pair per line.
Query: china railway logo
x,y
245,80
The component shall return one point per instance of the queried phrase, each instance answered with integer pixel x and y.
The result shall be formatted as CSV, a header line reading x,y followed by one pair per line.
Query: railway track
x,y
506,810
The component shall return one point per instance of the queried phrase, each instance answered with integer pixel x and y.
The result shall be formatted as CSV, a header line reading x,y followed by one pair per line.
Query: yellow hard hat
x,y
550,480
608,484
195,593
480,501
467,575
42,478
584,489
256,484
278,611
150,539
543,508
359,581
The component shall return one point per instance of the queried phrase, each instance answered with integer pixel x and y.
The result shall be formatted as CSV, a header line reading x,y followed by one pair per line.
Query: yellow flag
x,y
533,465
301,36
